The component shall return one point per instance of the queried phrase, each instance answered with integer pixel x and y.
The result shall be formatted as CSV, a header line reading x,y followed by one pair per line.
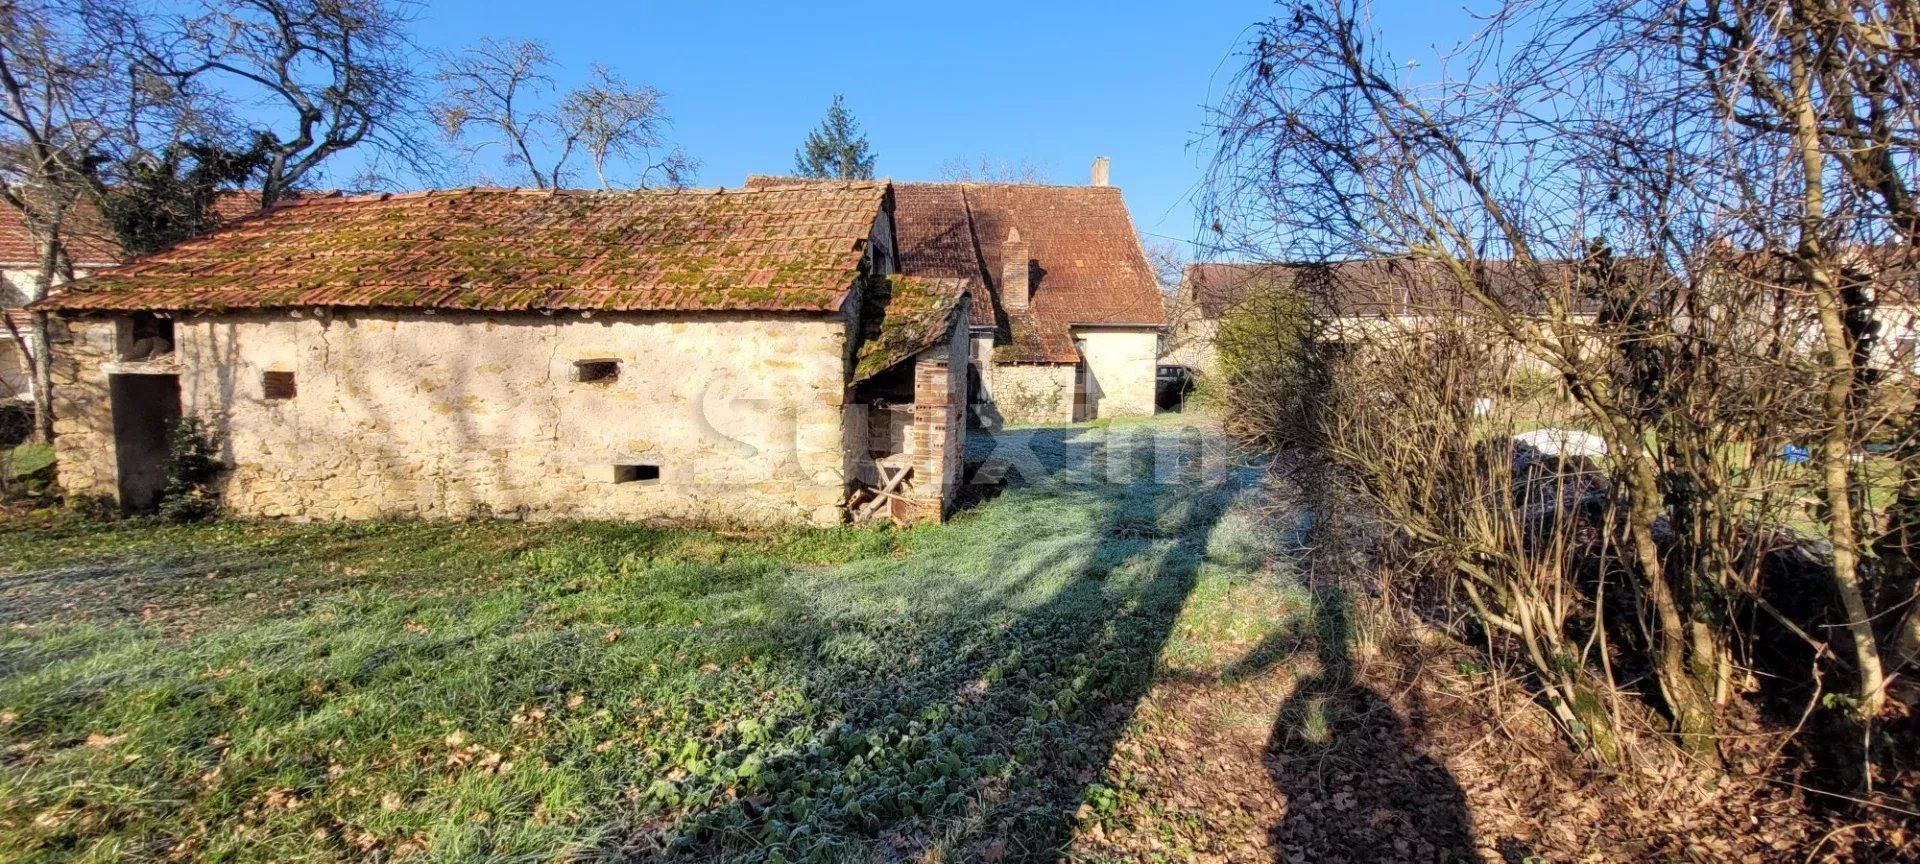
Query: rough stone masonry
x,y
453,415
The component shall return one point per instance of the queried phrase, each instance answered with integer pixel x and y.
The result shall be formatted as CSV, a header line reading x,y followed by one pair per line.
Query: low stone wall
x,y
457,415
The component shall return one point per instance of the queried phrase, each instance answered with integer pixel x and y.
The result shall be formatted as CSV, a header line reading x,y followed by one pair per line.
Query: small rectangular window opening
x,y
145,336
277,385
596,371
636,473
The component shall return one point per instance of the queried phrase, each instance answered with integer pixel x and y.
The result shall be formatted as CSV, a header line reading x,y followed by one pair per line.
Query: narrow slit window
x,y
596,371
636,473
277,385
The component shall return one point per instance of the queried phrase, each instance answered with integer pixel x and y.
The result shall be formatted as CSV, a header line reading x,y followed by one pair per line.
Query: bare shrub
x,y
1588,203
1494,525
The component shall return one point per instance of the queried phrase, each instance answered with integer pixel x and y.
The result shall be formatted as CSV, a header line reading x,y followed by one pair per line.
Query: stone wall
x,y
1032,392
1193,346
1120,363
82,410
456,415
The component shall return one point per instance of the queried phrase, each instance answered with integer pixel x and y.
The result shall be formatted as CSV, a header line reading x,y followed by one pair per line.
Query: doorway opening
x,y
146,408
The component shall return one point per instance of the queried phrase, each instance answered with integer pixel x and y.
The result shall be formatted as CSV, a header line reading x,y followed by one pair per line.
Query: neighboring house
x,y
1208,292
88,243
1887,277
91,246
1350,298
1353,300
747,357
15,381
1898,347
1066,315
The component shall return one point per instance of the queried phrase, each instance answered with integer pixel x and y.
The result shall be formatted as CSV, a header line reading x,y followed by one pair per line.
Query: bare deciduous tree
x,y
497,94
72,109
1829,86
338,73
987,169
616,120
494,86
1682,211
113,114
49,138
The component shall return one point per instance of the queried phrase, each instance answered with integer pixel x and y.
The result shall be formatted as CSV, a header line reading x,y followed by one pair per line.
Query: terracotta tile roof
x,y
1088,264
794,249
915,313
935,236
90,242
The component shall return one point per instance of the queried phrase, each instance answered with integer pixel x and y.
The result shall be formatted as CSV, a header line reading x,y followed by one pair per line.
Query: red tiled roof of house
x,y
935,237
791,249
91,244
1088,264
1383,286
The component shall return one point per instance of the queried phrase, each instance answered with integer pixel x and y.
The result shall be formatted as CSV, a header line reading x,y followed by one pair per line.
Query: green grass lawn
x,y
508,692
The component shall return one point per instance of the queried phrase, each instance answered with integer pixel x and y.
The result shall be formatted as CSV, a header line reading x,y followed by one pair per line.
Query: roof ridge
x,y
376,197
964,183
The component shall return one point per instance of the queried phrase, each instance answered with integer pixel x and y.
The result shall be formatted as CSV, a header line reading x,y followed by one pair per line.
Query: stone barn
x,y
744,357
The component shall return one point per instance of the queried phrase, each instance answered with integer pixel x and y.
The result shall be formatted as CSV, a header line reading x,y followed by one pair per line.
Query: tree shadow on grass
x,y
1022,667
1357,786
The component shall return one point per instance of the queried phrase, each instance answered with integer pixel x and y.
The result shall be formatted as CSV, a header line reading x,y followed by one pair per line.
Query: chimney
x,y
1016,259
1100,171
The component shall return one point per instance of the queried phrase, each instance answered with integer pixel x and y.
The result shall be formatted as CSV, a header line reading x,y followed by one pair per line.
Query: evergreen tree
x,y
163,198
836,150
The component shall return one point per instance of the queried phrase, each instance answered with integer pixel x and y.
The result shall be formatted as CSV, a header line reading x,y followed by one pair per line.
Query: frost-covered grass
x,y
257,692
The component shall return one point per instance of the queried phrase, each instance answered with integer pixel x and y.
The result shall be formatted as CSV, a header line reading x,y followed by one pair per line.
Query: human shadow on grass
x,y
1357,787
1011,699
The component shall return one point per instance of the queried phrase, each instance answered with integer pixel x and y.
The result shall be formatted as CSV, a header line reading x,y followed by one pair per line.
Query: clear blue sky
x,y
1049,83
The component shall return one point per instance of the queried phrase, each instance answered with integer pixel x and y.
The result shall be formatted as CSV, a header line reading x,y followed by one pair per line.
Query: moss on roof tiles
x,y
903,316
794,250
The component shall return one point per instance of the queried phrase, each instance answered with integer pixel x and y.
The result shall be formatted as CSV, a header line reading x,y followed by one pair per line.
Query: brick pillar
x,y
929,441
